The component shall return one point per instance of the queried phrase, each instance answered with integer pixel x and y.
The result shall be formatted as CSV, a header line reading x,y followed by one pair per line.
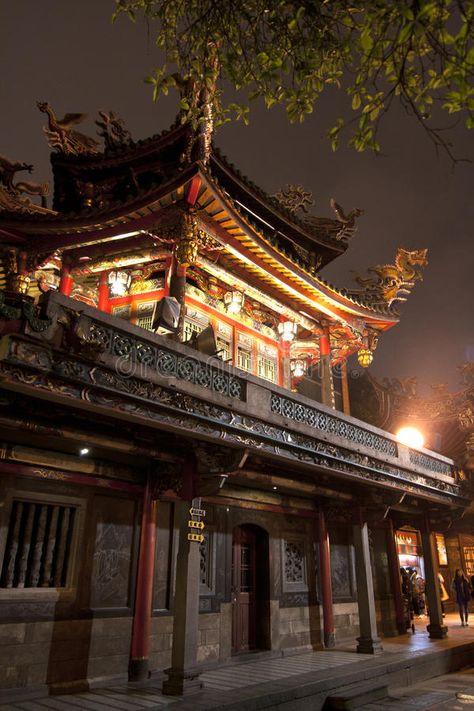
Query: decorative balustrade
x,y
330,424
139,352
110,363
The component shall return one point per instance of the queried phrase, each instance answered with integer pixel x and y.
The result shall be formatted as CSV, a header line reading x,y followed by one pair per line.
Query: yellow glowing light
x,y
411,437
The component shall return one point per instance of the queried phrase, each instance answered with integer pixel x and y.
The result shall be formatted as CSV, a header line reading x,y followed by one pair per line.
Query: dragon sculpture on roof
x,y
393,282
13,194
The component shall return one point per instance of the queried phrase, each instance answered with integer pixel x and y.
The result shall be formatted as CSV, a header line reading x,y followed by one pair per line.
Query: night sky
x,y
69,53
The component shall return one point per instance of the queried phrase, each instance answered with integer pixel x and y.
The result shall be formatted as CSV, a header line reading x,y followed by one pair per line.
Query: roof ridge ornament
x,y
294,198
393,282
61,135
13,194
113,131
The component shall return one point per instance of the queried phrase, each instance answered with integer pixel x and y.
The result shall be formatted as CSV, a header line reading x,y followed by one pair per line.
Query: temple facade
x,y
180,475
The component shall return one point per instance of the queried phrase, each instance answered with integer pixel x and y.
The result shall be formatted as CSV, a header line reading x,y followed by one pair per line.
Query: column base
x,y
369,645
138,669
182,682
436,631
329,640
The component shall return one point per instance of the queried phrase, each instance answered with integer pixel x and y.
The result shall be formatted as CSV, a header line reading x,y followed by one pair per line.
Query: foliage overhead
x,y
420,52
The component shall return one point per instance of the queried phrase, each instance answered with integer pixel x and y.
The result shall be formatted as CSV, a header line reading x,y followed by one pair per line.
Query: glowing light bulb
x,y
411,437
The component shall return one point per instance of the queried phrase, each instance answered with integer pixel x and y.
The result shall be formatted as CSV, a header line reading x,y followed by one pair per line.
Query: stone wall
x,y
346,620
63,654
79,631
209,640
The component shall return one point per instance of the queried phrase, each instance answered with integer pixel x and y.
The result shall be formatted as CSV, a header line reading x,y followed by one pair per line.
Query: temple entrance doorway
x,y
250,589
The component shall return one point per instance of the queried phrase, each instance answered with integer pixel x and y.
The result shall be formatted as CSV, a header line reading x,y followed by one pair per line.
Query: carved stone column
x,y
327,384
183,676
436,628
325,579
369,641
186,232
141,630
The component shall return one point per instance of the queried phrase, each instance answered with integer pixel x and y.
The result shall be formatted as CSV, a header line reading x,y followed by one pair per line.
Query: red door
x,y
243,590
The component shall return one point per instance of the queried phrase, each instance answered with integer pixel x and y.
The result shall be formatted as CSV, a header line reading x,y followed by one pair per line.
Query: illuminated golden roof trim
x,y
243,231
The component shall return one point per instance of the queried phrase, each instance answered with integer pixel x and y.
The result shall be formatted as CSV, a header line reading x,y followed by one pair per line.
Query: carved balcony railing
x,y
75,353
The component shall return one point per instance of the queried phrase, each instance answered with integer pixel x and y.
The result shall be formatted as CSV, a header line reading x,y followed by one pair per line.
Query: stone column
x,y
327,384
369,642
394,568
326,582
183,676
186,234
141,630
436,628
178,291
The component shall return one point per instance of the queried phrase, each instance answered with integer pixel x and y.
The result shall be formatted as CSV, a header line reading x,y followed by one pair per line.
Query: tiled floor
x,y
242,680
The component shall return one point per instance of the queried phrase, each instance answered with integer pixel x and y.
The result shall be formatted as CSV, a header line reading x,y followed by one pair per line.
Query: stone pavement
x,y
412,666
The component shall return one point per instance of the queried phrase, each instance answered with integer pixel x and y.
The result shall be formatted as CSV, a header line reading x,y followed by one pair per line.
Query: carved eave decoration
x,y
249,251
223,233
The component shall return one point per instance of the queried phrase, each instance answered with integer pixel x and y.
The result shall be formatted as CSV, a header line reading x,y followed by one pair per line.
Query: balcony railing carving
x,y
135,353
293,410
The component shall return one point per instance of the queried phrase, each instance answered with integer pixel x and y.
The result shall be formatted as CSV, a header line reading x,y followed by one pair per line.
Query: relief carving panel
x,y
111,567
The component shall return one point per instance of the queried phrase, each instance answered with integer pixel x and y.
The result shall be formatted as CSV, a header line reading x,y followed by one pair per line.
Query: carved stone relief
x,y
112,553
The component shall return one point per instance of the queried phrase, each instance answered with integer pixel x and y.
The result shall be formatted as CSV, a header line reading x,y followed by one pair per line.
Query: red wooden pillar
x,y
285,373
103,304
66,280
140,648
394,568
327,385
325,579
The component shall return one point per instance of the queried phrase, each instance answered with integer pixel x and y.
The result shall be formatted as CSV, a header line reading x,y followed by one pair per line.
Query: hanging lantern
x,y
298,367
287,330
233,300
365,357
119,282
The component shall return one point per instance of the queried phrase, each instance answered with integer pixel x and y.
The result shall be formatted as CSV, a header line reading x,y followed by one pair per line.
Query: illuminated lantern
x,y
233,300
298,367
365,357
119,282
287,330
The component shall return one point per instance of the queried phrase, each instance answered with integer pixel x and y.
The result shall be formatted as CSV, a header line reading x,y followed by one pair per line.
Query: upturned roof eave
x,y
327,292
283,220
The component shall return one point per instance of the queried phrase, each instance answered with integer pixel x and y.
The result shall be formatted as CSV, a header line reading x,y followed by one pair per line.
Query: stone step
x,y
356,695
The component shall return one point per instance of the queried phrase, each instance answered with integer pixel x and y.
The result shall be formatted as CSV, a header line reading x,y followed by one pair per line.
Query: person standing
x,y
415,601
443,593
462,591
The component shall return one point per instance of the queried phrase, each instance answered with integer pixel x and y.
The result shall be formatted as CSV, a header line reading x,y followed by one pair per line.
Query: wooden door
x,y
244,607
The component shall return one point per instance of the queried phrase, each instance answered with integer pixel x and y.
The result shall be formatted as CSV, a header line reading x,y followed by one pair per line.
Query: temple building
x,y
181,479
